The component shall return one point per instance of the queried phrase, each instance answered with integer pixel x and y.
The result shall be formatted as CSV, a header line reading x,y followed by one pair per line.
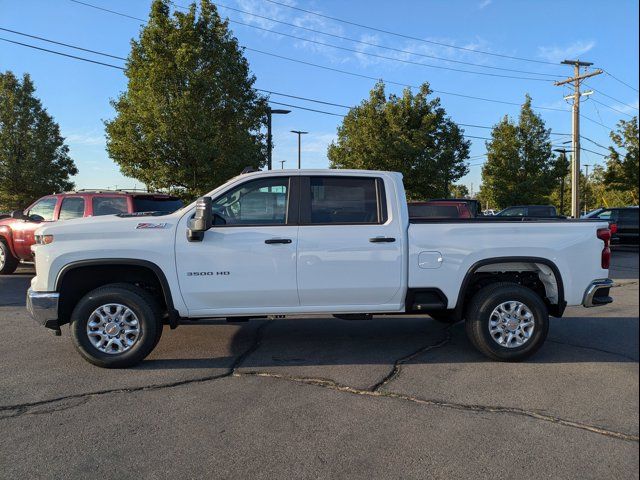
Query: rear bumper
x,y
597,293
43,307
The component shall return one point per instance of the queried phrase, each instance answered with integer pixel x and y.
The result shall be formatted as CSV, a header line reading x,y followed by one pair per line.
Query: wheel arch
x,y
555,308
110,267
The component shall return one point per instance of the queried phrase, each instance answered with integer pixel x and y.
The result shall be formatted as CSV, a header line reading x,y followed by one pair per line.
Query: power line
x,y
611,108
591,151
349,39
384,57
612,98
62,54
596,143
305,108
107,10
409,37
623,83
124,59
442,92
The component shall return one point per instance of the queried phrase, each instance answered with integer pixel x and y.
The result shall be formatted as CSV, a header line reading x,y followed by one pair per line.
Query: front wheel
x,y
116,326
507,322
8,263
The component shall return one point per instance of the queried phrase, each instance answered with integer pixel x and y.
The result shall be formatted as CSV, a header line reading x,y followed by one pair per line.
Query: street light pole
x,y
299,133
563,159
270,112
586,187
282,162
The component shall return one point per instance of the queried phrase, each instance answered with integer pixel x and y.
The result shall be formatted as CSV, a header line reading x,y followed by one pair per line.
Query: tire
x,y
140,315
443,317
528,326
8,263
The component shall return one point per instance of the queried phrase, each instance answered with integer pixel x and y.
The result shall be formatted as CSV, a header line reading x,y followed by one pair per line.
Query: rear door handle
x,y
277,240
382,240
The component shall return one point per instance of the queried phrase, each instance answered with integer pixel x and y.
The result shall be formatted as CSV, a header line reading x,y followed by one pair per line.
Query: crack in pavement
x,y
375,391
397,366
28,408
575,345
332,385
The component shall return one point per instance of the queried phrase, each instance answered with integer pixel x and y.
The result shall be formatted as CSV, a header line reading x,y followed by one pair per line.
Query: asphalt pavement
x,y
395,397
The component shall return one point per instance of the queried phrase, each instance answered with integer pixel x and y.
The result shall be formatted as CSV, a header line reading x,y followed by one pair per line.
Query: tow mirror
x,y
201,221
19,215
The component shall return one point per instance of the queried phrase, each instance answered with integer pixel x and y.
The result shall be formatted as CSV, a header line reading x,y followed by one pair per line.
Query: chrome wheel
x,y
113,328
511,324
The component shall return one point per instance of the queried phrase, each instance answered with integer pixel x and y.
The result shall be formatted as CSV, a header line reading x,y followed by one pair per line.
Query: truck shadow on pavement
x,y
316,342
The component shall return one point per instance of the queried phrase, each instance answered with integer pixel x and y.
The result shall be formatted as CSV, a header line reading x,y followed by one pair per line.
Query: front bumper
x,y
43,308
597,293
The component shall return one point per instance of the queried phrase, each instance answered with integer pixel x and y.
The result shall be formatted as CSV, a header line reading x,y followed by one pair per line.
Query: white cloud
x,y
557,54
630,108
484,4
82,138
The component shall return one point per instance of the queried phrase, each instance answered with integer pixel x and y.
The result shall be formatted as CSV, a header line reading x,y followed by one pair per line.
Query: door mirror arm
x,y
202,220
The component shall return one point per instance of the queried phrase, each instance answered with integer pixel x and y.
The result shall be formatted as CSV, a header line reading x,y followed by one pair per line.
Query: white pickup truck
x,y
311,242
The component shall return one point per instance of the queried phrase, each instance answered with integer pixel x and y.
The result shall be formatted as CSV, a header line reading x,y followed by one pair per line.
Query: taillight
x,y
613,227
604,234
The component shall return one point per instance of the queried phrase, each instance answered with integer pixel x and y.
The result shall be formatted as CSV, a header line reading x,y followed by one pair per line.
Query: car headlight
x,y
43,239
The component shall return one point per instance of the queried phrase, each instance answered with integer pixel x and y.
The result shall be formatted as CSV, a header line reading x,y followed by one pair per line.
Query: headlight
x,y
43,239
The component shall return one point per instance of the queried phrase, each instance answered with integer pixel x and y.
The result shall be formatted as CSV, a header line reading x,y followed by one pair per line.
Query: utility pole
x,y
586,185
563,159
575,130
270,112
299,133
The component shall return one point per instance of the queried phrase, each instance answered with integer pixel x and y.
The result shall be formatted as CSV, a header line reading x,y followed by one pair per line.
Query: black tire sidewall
x,y
10,262
480,322
141,307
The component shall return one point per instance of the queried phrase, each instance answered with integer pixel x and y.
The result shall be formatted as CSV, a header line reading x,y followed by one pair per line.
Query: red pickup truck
x,y
16,232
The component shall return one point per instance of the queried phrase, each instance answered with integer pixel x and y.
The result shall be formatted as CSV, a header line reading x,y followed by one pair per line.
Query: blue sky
x,y
77,93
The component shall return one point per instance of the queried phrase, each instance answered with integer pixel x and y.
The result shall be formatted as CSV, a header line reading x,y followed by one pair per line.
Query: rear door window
x,y
430,211
513,212
109,205
345,200
629,217
72,207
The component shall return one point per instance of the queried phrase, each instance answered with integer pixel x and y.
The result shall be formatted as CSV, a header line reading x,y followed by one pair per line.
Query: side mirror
x,y
201,221
19,215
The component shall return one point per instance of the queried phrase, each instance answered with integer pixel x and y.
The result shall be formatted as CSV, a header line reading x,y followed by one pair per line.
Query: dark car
x,y
625,218
535,211
439,209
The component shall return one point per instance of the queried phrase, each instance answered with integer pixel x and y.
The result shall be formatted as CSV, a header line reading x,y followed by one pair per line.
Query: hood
x,y
106,226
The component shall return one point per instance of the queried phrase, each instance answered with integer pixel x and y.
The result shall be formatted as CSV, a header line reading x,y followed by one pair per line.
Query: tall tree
x,y
190,118
34,160
410,134
622,162
520,163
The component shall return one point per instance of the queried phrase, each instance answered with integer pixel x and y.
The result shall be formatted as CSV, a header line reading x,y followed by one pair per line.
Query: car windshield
x,y
147,203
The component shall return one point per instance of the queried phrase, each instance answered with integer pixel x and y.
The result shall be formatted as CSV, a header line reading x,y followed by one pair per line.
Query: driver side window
x,y
257,202
44,208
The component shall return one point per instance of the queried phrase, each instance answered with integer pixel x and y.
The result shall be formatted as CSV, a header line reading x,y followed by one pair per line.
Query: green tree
x,y
459,191
190,118
520,163
34,160
410,134
622,162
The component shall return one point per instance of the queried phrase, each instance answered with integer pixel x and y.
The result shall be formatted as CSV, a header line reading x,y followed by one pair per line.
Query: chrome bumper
x,y
597,293
43,307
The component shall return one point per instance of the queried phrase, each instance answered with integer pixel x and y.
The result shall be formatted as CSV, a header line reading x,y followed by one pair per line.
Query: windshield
x,y
156,204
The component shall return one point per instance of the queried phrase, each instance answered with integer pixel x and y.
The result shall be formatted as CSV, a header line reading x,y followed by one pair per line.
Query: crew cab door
x,y
350,249
246,263
44,210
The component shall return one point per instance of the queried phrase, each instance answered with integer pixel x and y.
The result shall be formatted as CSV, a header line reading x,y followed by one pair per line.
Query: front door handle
x,y
382,240
271,241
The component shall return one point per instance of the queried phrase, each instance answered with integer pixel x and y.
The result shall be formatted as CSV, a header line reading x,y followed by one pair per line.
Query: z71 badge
x,y
151,225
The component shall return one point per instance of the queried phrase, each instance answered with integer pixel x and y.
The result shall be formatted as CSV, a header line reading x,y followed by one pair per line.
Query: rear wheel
x,y
507,322
116,326
8,263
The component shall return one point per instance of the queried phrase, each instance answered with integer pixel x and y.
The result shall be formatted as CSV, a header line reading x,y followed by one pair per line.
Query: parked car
x,y
472,205
439,209
17,231
489,212
534,211
626,220
311,242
